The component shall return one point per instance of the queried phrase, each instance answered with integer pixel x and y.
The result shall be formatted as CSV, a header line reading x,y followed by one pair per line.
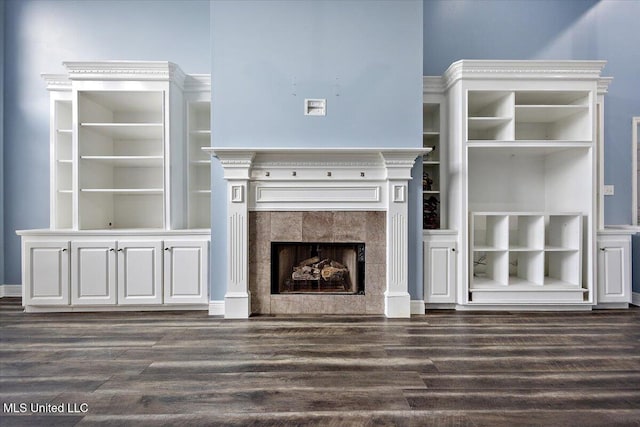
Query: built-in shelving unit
x,y
62,153
434,137
118,234
121,153
522,186
199,181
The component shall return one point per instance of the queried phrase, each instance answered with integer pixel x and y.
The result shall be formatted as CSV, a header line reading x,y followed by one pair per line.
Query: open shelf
x,y
528,116
199,175
518,251
62,138
121,174
127,130
130,161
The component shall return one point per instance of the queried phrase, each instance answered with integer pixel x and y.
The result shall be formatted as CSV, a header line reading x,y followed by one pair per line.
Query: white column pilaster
x,y
237,166
397,301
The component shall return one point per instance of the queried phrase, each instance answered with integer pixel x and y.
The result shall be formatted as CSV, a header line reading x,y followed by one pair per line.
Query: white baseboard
x,y
10,291
417,307
216,308
635,298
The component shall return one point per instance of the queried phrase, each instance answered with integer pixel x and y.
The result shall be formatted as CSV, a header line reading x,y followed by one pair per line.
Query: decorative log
x,y
336,264
309,261
332,273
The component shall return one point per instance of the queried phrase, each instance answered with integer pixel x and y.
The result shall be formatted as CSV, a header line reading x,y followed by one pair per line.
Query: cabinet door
x,y
46,273
439,272
93,273
614,271
139,272
186,278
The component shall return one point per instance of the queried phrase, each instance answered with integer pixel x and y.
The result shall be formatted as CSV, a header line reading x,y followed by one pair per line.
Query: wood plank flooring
x,y
443,369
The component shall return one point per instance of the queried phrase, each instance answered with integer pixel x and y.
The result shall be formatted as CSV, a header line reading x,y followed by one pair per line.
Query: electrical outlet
x,y
609,190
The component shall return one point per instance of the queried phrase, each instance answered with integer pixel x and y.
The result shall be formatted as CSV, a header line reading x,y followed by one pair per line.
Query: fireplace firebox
x,y
317,268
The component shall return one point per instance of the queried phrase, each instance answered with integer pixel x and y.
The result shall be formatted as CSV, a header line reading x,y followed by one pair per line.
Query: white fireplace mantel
x,y
313,179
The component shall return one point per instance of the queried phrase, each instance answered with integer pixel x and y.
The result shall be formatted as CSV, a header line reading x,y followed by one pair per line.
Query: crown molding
x,y
433,84
528,69
56,81
197,83
125,70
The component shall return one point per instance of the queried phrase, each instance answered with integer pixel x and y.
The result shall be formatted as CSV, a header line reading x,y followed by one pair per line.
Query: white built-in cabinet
x,y
440,251
130,191
520,179
614,268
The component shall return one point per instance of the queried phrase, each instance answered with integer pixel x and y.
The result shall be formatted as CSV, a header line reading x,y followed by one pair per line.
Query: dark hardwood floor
x,y
443,369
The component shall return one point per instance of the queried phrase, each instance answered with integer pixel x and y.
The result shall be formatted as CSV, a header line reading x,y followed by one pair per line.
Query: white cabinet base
x,y
614,268
115,270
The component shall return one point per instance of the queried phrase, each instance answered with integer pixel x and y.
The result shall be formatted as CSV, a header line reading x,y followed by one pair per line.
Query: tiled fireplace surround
x,y
317,195
299,226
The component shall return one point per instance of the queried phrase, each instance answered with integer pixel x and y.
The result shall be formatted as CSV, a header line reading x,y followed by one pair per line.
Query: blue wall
x,y
552,29
2,27
365,58
39,35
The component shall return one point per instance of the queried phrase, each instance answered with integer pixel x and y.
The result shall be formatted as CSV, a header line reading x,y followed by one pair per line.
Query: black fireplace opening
x,y
317,268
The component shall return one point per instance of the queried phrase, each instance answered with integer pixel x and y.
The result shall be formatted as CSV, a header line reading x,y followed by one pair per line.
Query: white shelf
x,y
128,161
131,191
65,191
431,192
65,162
547,113
201,192
65,131
485,248
127,130
200,132
486,123
431,133
201,162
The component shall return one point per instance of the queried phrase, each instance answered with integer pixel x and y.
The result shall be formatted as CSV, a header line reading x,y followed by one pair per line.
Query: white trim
x,y
10,291
515,70
635,122
110,308
635,298
216,308
417,307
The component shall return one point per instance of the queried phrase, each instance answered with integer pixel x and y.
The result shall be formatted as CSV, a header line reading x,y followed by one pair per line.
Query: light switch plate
x,y
609,190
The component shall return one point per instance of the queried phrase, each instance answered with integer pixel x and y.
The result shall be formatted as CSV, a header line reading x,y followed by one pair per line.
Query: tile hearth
x,y
367,227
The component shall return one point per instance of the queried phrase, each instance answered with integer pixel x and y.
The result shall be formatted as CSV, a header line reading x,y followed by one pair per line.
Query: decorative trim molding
x,y
10,291
509,69
432,84
125,70
317,194
197,83
635,298
59,82
216,308
603,85
417,307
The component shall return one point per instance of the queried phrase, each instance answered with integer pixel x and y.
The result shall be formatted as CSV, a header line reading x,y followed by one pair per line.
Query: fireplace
x,y
309,195
317,268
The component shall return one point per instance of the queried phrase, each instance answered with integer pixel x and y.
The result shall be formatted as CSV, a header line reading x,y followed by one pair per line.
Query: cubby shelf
x,y
520,248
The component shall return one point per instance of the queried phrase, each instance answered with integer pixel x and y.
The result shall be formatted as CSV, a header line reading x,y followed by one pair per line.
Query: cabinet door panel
x,y
46,275
439,272
93,273
139,272
614,281
186,272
